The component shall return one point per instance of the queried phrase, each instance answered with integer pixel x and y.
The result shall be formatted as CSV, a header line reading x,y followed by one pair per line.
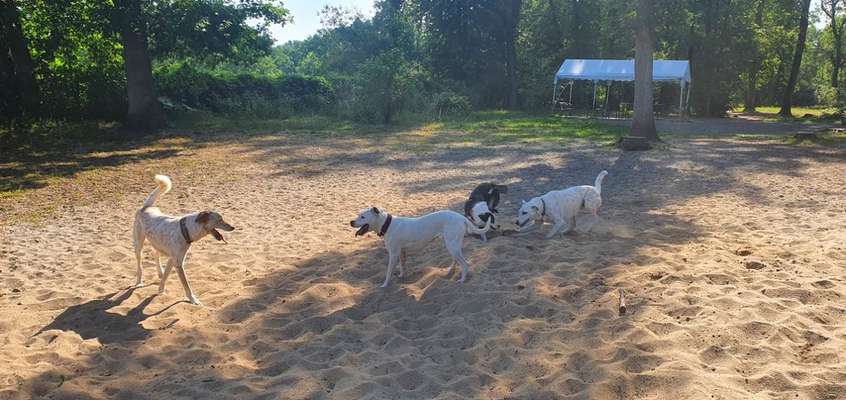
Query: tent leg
x,y
571,93
681,99
594,96
687,98
554,92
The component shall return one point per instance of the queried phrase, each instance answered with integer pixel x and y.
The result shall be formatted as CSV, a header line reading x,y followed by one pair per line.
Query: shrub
x,y
449,103
242,93
382,88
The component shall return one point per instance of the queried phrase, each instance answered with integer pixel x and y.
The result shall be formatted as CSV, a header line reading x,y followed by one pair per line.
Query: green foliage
x,y
439,58
449,104
78,53
242,93
383,87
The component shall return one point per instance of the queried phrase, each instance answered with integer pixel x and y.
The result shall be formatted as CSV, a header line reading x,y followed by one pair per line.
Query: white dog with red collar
x,y
402,234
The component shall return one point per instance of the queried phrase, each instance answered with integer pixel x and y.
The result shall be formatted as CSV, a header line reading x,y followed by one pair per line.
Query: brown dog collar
x,y
385,226
184,230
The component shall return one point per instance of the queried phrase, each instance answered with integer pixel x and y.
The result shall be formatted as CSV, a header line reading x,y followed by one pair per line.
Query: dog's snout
x,y
352,223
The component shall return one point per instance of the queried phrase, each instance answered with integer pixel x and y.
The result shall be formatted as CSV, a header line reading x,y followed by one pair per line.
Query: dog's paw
x,y
195,301
138,285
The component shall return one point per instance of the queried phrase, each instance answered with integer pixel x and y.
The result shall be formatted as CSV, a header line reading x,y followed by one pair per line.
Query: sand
x,y
731,255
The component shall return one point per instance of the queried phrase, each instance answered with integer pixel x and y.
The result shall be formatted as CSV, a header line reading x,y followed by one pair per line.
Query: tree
x,y
797,60
751,99
507,36
473,42
145,111
643,125
186,26
830,8
16,63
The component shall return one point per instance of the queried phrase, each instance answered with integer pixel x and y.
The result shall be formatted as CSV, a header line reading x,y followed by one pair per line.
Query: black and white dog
x,y
481,206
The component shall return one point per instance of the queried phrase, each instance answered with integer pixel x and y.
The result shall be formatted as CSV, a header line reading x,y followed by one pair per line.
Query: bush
x,y
246,94
382,88
827,95
448,103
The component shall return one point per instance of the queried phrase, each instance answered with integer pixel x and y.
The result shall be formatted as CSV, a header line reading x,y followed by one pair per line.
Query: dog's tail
x,y
473,229
164,186
598,183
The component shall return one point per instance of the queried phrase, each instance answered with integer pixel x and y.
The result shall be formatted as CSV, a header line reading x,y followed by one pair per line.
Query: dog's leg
x,y
138,245
401,263
454,249
484,237
572,224
393,258
170,262
494,201
555,228
182,278
159,263
451,267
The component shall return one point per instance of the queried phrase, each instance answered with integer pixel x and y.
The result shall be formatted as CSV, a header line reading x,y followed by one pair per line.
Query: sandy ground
x,y
738,124
731,254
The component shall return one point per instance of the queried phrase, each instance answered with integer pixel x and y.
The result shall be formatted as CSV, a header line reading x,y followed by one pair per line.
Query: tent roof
x,y
621,70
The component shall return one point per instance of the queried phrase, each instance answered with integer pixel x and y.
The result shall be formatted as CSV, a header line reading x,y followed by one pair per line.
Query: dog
x,y
402,234
172,236
480,215
561,206
482,204
486,192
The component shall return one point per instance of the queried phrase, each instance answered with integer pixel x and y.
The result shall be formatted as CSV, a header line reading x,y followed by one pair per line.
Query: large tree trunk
x,y
797,61
16,49
145,112
644,120
512,19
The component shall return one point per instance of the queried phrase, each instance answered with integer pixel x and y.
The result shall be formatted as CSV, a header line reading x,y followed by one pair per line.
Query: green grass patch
x,y
770,113
488,127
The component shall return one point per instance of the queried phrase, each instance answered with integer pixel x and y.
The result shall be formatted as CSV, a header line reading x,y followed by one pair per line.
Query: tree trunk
x,y
512,19
145,112
837,32
23,78
829,8
797,61
644,120
751,101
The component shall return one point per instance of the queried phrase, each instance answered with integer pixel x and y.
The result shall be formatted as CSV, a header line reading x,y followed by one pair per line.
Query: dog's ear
x,y
375,210
203,217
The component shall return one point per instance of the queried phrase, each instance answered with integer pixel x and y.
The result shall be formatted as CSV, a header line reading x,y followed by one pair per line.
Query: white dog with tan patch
x,y
172,236
562,206
402,234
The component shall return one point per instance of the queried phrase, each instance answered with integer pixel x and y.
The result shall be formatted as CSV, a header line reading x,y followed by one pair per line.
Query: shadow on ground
x,y
537,319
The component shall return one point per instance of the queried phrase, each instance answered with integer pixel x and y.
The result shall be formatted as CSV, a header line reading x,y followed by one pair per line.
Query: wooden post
x,y
622,303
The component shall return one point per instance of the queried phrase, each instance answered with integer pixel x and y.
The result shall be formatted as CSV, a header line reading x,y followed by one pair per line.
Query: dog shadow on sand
x,y
93,319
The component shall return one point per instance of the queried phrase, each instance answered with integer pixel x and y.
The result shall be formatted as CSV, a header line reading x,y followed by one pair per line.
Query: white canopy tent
x,y
623,70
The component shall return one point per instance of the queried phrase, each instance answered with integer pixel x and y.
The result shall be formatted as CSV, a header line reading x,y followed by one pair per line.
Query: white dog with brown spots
x,y
562,206
402,234
172,236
